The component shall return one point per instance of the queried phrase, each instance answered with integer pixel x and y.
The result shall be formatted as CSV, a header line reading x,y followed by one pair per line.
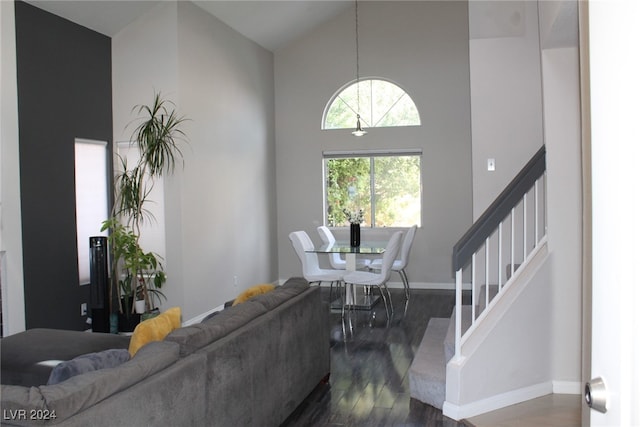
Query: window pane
x,y
397,191
348,186
385,97
403,113
91,197
342,116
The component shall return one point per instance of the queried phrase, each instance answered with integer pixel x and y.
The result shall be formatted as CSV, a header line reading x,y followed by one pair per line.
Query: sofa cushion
x,y
88,362
23,355
252,292
154,329
288,290
296,282
194,337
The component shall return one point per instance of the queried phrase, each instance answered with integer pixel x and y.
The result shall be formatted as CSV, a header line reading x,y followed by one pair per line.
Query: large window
x,y
385,185
382,104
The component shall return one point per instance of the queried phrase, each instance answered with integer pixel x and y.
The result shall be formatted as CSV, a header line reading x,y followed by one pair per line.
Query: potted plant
x,y
136,273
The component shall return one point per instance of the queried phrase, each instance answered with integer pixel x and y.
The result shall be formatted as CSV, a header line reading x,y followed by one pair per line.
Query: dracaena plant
x,y
134,272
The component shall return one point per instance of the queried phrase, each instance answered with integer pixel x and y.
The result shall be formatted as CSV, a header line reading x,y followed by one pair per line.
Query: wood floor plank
x,y
370,359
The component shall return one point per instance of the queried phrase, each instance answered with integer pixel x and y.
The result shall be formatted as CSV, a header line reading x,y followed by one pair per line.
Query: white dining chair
x,y
311,270
400,264
379,280
336,261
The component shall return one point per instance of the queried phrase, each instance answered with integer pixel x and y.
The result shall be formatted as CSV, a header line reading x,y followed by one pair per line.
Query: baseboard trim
x,y
424,285
458,412
567,387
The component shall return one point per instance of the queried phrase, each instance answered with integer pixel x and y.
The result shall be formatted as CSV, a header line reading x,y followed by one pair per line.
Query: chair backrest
x,y
390,254
403,256
301,244
328,238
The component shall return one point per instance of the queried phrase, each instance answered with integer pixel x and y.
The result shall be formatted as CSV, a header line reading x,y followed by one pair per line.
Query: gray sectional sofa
x,y
250,365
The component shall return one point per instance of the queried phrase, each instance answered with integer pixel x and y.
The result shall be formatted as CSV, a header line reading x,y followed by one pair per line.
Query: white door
x,y
614,50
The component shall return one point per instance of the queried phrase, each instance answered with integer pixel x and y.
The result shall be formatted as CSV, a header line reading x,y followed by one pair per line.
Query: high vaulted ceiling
x,y
275,23
270,23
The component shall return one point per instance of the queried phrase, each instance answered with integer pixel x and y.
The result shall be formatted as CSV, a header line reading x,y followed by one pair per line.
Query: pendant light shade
x,y
358,131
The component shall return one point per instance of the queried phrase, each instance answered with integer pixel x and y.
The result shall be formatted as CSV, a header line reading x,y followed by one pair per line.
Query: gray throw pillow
x,y
88,362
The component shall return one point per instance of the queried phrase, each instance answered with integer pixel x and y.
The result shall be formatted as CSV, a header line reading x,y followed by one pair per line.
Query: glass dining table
x,y
365,300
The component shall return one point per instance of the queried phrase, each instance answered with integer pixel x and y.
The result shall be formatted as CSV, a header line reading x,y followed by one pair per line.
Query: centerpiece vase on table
x,y
355,235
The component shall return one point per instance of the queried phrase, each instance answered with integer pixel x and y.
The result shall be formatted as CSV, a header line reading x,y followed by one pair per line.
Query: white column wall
x,y
13,315
562,134
144,61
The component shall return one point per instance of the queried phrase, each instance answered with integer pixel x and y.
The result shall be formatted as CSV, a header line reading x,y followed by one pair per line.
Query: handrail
x,y
484,226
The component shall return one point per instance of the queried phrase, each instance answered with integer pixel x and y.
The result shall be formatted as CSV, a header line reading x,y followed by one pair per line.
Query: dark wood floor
x,y
369,383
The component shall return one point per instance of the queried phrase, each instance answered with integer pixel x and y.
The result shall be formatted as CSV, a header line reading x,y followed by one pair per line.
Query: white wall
x,y
219,209
562,134
10,217
506,100
227,192
421,46
561,89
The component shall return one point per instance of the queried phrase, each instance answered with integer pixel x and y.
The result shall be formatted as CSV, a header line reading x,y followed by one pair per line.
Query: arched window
x,y
382,104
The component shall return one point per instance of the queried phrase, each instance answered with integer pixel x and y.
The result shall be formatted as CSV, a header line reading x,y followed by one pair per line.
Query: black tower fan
x,y
99,287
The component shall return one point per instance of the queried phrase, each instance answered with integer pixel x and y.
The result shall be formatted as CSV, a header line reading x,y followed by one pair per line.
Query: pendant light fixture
x,y
358,131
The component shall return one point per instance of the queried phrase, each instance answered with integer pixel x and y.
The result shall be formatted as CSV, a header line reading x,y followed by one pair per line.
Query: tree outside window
x,y
387,188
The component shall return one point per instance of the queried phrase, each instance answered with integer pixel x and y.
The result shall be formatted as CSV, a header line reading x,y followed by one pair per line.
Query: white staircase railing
x,y
501,241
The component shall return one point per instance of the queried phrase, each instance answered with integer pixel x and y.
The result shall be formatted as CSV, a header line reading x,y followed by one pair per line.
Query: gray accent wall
x,y
64,92
424,48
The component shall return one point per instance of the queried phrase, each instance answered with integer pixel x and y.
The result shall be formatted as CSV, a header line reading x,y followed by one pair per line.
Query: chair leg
x,y
340,285
405,282
353,297
388,306
384,285
344,298
384,299
350,288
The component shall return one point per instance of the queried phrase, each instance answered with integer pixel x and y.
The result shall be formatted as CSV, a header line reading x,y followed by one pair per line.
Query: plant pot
x,y
127,323
140,306
150,315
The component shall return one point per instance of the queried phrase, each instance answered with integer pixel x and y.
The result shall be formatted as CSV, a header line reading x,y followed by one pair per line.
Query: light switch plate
x,y
491,165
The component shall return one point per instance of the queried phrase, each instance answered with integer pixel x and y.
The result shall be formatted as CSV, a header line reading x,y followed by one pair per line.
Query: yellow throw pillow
x,y
154,329
253,291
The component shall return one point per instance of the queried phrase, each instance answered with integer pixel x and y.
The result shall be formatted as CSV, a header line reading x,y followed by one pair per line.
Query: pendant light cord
x,y
358,131
357,61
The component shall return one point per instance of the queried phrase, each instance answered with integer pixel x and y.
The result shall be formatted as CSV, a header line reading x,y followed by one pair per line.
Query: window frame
x,y
348,85
371,155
